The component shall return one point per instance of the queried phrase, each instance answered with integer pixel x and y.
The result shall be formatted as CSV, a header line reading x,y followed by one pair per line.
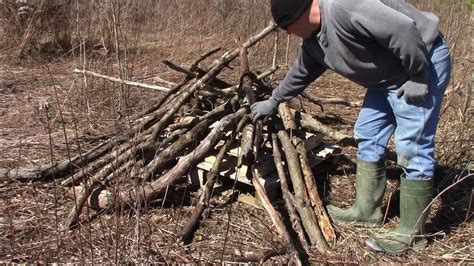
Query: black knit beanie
x,y
285,12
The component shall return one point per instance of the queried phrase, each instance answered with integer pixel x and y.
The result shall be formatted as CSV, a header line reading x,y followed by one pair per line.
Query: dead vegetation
x,y
50,116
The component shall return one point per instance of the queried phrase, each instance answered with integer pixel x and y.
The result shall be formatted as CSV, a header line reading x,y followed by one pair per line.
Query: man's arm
x,y
303,71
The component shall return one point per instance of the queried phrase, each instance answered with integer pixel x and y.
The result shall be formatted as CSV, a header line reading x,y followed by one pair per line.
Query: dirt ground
x,y
48,115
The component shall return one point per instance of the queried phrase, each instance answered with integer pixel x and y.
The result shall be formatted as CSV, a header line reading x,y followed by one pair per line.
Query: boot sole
x,y
360,224
419,246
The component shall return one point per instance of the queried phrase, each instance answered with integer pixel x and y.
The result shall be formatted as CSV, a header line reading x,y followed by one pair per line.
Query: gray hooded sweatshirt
x,y
378,44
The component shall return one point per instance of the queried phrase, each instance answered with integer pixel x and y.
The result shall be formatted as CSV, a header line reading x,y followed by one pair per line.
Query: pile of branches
x,y
159,149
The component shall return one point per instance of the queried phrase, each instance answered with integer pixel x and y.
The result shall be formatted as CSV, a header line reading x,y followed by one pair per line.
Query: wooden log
x,y
295,219
233,89
195,64
246,144
64,167
309,180
274,215
173,151
301,200
246,83
95,181
99,199
309,123
183,122
207,189
176,88
186,138
154,189
215,82
320,101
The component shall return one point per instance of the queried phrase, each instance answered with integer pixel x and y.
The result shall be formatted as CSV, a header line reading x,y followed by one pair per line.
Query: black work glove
x,y
413,91
263,108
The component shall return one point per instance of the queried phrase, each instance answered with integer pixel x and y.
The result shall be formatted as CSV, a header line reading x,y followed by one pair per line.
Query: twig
x,y
118,80
440,194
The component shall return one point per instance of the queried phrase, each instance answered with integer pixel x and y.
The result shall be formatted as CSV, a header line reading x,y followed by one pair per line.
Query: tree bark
x,y
301,200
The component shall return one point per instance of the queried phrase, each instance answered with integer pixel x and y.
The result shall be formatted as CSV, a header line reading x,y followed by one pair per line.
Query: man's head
x,y
298,17
286,12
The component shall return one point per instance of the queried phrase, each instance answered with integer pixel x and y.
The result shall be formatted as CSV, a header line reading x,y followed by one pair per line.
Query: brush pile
x,y
204,116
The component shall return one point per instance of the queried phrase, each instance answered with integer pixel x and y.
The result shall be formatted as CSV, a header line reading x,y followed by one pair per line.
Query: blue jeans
x,y
383,113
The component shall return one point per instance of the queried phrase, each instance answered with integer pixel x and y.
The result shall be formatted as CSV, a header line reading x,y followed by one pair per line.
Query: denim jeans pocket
x,y
441,60
440,54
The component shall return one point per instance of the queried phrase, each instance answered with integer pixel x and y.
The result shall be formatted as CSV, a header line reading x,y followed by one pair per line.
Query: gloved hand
x,y
263,108
414,92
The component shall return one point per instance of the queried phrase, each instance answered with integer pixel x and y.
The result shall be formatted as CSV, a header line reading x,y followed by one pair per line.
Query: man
x,y
397,53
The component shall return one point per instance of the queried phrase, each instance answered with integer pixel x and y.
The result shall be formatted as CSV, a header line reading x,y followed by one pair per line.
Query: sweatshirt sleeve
x,y
303,71
397,33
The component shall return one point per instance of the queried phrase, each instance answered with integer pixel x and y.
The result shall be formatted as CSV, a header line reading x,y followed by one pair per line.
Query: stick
x,y
63,168
274,215
121,81
295,220
300,201
311,186
205,196
215,82
155,188
176,88
320,101
308,122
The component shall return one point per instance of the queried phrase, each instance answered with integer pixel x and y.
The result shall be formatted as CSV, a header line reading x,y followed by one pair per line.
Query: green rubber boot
x,y
371,182
415,196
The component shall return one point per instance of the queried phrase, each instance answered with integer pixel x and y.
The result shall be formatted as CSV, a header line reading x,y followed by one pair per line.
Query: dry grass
x,y
45,105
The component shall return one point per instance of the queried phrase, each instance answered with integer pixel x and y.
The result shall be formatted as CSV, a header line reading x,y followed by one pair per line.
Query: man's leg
x,y
414,137
372,131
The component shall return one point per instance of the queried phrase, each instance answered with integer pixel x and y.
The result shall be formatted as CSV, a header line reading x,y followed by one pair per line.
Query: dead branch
x,y
203,57
295,220
320,101
154,189
311,186
274,215
205,196
308,122
301,200
121,81
62,168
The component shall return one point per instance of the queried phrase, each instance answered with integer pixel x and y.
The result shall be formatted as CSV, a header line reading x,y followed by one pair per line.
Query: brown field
x,y
48,114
